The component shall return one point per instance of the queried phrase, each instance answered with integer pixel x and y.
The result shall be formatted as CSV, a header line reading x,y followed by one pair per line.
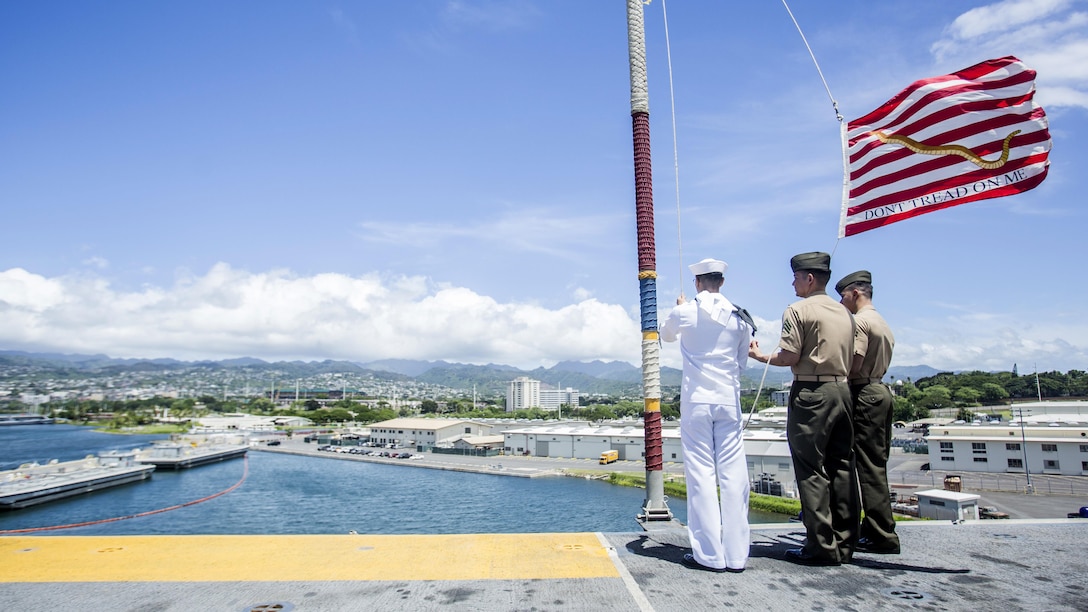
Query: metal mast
x,y
654,508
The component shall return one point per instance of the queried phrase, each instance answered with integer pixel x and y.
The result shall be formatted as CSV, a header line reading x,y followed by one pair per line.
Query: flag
x,y
945,141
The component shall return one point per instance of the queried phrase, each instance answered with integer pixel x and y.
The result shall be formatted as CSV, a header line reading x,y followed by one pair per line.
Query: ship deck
x,y
1008,564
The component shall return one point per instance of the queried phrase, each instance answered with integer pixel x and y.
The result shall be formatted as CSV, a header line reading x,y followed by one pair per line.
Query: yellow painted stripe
x,y
653,404
649,335
303,557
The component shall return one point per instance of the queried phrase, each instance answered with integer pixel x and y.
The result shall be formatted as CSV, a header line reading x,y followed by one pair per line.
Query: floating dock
x,y
24,419
32,483
177,457
190,452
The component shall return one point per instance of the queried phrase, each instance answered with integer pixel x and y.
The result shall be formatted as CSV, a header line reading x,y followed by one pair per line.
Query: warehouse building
x,y
1056,448
424,434
767,450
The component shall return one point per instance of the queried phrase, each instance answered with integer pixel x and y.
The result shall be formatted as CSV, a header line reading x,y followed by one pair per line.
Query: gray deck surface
x,y
975,565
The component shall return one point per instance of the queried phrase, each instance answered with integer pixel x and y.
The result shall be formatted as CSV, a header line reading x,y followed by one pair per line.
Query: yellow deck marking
x,y
303,557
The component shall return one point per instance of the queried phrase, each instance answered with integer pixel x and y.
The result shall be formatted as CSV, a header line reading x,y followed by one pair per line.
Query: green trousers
x,y
872,410
820,433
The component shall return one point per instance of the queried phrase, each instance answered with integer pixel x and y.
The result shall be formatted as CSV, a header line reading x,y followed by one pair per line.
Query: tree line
x,y
966,390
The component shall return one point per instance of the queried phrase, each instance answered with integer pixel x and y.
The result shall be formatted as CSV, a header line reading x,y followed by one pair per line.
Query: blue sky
x,y
453,180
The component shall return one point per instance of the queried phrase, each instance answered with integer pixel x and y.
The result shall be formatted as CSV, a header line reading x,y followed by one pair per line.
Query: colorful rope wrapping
x,y
644,223
655,507
654,455
647,292
636,52
644,192
651,389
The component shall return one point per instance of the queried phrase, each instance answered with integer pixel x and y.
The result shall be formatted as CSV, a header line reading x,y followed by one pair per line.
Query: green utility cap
x,y
861,276
815,261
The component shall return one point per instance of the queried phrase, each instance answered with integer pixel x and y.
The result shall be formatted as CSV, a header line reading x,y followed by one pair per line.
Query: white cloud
x,y
1003,16
581,294
20,289
1048,35
277,315
97,262
994,341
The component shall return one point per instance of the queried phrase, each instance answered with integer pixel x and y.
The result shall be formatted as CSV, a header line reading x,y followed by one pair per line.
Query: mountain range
x,y
594,377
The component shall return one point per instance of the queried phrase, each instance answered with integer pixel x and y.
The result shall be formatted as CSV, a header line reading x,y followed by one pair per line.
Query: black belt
x,y
819,378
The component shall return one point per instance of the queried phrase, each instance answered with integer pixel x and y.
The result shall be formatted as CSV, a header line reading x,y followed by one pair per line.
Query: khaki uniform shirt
x,y
821,331
873,340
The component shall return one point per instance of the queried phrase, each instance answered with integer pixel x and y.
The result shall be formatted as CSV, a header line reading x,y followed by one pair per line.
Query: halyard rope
x,y
675,149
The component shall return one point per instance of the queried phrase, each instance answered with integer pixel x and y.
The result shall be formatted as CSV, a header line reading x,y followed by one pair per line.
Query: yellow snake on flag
x,y
960,150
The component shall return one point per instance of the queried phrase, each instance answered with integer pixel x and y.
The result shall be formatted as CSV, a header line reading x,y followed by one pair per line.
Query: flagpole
x,y
654,507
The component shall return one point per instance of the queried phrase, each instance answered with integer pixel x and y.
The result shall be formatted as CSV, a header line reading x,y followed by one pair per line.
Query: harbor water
x,y
291,494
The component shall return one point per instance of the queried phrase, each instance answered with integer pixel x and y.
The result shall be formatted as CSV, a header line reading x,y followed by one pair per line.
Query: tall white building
x,y
552,399
522,393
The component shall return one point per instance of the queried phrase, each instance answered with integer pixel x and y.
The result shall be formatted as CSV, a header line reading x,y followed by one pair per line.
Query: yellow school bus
x,y
609,457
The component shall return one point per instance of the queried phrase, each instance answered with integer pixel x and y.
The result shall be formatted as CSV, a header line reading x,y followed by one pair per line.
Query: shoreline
x,y
496,468
452,463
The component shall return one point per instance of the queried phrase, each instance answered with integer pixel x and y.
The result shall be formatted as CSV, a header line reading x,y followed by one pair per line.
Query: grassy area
x,y
676,488
775,504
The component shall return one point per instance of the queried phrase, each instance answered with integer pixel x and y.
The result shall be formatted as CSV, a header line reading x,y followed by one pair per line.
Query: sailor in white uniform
x,y
714,337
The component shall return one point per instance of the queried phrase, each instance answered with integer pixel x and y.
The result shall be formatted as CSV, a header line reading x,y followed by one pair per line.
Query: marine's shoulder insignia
x,y
743,315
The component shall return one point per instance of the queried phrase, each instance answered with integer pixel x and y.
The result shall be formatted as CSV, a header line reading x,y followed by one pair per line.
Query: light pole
x,y
1038,388
1024,448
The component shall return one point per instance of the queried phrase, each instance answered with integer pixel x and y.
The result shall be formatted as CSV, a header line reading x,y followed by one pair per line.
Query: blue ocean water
x,y
291,494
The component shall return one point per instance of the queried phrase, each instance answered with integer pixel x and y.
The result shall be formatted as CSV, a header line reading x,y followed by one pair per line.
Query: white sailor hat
x,y
708,266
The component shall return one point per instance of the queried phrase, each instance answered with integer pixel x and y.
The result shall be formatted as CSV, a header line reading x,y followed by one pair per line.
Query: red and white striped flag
x,y
944,141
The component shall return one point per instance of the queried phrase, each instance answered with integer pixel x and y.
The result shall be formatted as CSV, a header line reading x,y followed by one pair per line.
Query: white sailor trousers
x,y
714,460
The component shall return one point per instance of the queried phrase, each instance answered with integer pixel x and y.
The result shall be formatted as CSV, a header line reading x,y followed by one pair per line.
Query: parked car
x,y
404,456
273,442
989,512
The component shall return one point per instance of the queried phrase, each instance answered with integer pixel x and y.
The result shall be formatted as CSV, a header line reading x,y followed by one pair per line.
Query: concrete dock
x,y
974,565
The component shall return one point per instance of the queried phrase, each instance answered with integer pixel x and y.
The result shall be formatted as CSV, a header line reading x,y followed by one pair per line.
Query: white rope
x,y
636,48
842,130
834,104
755,403
676,170
675,151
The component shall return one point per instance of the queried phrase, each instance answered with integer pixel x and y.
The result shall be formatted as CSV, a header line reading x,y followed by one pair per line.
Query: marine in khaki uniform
x,y
818,345
872,412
